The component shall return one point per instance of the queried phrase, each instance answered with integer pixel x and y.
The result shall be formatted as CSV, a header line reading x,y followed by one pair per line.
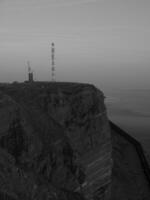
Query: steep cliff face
x,y
54,142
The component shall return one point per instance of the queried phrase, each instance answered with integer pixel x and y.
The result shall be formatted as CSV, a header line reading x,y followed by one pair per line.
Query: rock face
x,y
55,142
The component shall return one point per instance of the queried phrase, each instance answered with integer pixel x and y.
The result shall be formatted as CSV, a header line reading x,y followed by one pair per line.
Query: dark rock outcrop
x,y
130,173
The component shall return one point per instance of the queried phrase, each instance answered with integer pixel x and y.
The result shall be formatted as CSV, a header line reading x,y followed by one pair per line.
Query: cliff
x,y
55,142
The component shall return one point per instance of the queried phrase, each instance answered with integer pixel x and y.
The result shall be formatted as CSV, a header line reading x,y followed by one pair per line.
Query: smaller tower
x,y
53,61
30,73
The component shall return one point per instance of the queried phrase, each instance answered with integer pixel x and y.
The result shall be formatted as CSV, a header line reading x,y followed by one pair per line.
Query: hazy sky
x,y
105,42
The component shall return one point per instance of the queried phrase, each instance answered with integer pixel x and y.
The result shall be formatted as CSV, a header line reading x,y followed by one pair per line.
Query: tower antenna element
x,y
29,67
30,73
53,61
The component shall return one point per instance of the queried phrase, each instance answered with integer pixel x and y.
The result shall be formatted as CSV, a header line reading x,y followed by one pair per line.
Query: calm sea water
x,y
130,109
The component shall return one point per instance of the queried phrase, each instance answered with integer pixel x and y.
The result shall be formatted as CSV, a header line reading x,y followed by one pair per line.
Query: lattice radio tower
x,y
53,61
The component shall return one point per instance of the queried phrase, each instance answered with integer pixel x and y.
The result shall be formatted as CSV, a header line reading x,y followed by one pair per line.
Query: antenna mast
x,y
53,61
29,68
30,73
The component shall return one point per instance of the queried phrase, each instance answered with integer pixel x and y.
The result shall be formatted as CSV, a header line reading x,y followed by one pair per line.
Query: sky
x,y
103,42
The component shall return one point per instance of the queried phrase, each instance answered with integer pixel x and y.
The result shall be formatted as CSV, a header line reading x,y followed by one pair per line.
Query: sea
x,y
130,110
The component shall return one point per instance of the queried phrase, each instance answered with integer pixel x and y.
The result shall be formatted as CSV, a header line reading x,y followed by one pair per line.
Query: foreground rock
x,y
131,173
